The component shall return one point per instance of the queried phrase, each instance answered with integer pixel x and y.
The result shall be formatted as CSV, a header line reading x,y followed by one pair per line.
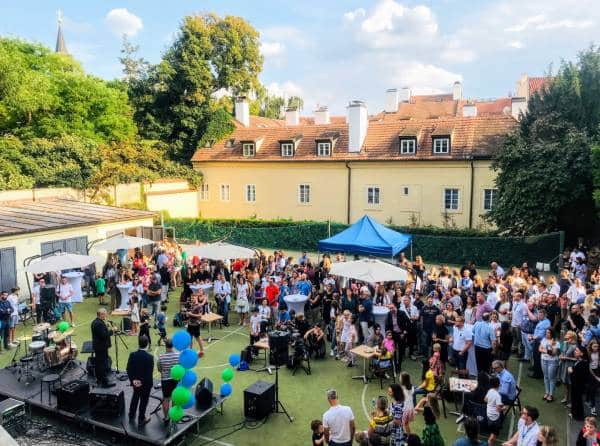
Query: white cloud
x,y
287,88
527,23
565,24
516,44
351,16
122,22
272,49
290,36
422,78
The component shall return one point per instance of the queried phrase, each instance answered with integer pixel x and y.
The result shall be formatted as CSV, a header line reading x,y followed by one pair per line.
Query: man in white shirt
x,y
65,292
527,429
461,341
13,298
36,295
222,290
338,422
519,308
494,408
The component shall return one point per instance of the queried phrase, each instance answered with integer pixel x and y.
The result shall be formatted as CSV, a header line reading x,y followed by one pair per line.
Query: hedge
x,y
455,246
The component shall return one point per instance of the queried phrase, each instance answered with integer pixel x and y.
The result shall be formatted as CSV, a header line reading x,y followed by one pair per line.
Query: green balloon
x,y
180,396
184,255
227,374
176,413
177,372
63,326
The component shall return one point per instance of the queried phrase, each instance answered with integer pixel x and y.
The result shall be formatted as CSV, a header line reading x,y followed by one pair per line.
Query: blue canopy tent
x,y
367,237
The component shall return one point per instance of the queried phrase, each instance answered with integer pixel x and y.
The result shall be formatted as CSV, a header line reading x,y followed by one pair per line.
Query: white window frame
x,y
408,146
444,146
452,199
304,193
492,199
324,148
204,192
287,149
250,193
249,149
373,195
225,192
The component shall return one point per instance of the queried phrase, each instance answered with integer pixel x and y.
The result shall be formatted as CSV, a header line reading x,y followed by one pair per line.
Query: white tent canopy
x,y
218,251
369,270
122,241
59,262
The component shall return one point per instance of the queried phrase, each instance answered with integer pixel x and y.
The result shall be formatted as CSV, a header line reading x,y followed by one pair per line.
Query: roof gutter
x,y
349,182
471,191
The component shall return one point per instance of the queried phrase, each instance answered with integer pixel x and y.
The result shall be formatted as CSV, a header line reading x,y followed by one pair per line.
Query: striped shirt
x,y
165,362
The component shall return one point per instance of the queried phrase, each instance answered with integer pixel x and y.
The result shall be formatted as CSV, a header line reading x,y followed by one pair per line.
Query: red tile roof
x,y
476,136
536,84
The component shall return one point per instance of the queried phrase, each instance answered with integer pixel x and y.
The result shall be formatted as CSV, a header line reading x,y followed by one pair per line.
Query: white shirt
x,y
255,324
460,337
337,419
222,288
527,435
14,302
264,311
64,292
492,298
36,293
242,293
493,400
519,310
412,312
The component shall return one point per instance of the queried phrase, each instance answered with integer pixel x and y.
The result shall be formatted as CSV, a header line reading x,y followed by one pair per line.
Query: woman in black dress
x,y
580,375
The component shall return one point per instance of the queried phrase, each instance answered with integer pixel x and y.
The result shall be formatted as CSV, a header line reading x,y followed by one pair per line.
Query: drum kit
x,y
45,349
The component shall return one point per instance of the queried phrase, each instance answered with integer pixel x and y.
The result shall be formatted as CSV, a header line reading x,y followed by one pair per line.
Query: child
x,y
145,324
435,362
428,381
135,314
380,418
161,318
100,289
318,436
431,432
384,361
346,341
388,342
408,416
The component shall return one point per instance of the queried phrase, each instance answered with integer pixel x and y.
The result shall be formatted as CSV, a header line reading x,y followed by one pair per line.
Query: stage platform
x,y
154,433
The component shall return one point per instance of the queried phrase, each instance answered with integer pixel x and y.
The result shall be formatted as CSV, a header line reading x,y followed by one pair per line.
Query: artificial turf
x,y
302,395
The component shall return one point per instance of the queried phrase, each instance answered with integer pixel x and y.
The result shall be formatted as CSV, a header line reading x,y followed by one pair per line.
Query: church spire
x,y
61,47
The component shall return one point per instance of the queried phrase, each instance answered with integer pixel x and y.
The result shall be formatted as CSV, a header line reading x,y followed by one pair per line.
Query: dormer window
x,y
287,149
441,146
323,148
229,143
249,149
408,146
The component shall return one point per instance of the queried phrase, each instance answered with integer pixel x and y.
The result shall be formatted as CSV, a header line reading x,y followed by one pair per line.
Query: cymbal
x,y
62,336
24,338
41,327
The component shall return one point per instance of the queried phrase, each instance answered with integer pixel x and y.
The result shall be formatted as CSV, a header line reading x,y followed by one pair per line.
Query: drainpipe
x,y
349,188
471,192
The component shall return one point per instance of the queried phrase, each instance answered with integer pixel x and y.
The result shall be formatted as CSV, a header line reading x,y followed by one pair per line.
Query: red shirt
x,y
272,292
237,265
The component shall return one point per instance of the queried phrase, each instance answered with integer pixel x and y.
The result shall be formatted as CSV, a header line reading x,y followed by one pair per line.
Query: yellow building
x,y
29,228
425,160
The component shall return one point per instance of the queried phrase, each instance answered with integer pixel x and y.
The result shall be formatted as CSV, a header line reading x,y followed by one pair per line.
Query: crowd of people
x,y
454,322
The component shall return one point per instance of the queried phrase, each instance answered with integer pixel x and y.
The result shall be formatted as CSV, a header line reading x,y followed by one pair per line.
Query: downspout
x,y
471,193
349,188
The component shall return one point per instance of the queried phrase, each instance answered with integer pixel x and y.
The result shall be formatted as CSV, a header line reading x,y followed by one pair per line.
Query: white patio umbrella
x,y
58,262
218,251
369,270
122,241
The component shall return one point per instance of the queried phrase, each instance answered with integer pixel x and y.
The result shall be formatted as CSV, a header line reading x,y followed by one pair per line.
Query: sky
x,y
333,51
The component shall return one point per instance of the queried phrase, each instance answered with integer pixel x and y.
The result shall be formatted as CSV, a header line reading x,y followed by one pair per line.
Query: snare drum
x,y
51,356
37,347
38,337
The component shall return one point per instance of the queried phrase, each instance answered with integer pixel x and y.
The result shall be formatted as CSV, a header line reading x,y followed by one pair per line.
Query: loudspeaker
x,y
48,296
73,396
279,347
204,394
109,401
259,400
90,365
126,324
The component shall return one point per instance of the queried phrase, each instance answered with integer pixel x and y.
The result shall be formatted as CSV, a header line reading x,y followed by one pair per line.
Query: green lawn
x,y
302,395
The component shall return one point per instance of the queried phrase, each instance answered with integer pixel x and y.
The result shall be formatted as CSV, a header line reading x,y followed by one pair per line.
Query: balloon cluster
x,y
227,375
62,326
182,396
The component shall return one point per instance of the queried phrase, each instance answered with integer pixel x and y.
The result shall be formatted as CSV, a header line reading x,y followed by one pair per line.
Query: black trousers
x,y
4,332
140,397
483,358
101,365
537,360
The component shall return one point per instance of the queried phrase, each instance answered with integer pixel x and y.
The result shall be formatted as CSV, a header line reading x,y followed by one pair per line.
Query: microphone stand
x,y
118,337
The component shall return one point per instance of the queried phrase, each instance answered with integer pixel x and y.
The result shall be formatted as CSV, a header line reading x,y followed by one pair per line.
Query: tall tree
x,y
545,173
134,67
175,101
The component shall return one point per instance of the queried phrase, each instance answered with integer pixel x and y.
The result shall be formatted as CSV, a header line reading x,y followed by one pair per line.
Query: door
x,y
8,269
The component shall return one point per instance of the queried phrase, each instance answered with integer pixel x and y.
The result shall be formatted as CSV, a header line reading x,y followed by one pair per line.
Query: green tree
x,y
545,170
174,101
134,67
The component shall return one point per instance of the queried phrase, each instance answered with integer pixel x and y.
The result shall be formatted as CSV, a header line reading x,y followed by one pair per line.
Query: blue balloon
x,y
188,358
182,340
226,389
189,379
234,359
191,402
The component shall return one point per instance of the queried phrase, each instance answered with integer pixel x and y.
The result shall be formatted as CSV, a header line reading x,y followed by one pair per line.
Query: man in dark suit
x,y
139,369
101,345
